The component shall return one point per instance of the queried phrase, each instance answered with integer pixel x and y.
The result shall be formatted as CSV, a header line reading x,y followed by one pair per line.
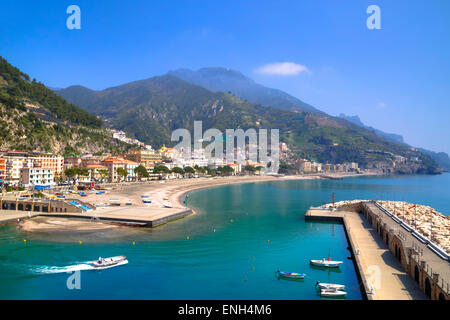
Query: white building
x,y
30,177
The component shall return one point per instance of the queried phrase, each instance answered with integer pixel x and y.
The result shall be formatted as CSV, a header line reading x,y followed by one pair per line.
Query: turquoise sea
x,y
230,250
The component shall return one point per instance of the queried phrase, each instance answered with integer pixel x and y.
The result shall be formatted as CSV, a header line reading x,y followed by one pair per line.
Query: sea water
x,y
231,249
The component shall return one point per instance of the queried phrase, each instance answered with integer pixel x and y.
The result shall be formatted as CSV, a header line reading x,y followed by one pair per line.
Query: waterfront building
x,y
305,166
70,162
14,162
32,177
130,166
97,172
2,169
146,158
47,160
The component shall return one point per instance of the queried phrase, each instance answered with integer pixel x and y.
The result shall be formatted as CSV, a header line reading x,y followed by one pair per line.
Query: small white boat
x,y
332,293
322,285
326,263
104,263
167,204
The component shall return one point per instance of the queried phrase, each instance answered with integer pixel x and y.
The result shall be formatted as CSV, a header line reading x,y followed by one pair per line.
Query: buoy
x,y
268,241
187,237
245,279
80,242
24,240
134,243
253,259
214,230
253,268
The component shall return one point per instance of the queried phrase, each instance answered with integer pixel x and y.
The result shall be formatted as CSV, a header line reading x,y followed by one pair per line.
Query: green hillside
x,y
150,109
34,118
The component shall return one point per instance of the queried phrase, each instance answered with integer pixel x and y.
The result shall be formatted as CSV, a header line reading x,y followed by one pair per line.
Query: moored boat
x,y
326,263
167,204
291,275
332,293
322,285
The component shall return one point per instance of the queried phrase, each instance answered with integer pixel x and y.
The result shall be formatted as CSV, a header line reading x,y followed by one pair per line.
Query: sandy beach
x,y
132,206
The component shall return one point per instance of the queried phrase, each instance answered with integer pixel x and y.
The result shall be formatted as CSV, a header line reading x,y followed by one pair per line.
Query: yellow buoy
x,y
134,243
214,230
24,240
187,237
80,242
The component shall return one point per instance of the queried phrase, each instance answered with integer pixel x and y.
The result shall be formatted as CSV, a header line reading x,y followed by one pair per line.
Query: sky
x,y
396,79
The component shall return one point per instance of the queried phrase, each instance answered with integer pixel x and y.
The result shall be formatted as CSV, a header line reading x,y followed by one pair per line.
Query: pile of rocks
x,y
424,219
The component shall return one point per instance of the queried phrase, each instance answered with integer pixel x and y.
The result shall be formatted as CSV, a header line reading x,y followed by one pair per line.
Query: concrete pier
x,y
388,269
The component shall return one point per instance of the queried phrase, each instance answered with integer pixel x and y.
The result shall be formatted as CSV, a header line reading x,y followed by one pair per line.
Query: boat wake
x,y
55,269
77,267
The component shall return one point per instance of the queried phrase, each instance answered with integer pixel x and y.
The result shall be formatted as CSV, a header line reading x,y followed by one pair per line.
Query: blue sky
x,y
396,79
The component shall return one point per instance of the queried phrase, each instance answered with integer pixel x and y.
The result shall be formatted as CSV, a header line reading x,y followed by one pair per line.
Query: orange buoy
x,y
253,268
268,241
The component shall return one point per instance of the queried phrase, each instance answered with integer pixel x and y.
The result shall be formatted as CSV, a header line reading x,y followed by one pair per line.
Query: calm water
x,y
243,234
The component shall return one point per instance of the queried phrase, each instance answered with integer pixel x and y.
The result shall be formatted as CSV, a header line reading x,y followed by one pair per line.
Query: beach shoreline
x,y
173,191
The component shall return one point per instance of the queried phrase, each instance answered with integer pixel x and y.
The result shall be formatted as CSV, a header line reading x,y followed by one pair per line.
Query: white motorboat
x,y
104,263
332,293
322,285
167,204
326,263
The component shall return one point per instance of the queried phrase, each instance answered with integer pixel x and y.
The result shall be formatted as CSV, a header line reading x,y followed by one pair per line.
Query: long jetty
x,y
393,262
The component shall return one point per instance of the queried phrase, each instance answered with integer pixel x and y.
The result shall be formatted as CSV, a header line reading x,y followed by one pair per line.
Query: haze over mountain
x,y
228,80
151,109
441,158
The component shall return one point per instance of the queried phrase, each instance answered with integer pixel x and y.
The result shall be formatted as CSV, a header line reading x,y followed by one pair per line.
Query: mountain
x,y
34,118
441,158
232,81
389,136
151,109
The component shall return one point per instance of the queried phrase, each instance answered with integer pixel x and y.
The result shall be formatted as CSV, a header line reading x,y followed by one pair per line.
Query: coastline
x,y
137,214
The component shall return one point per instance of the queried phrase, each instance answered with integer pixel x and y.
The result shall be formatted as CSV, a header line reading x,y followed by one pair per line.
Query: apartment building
x,y
32,177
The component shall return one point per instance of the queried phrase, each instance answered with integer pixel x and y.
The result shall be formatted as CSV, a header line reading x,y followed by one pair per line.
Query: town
x,y
38,170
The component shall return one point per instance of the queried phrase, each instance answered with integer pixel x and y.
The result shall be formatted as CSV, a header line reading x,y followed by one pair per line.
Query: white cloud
x,y
381,105
282,69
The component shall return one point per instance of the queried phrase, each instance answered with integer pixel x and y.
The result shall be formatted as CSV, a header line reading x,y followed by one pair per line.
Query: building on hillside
x,y
305,166
2,169
146,158
170,153
48,160
14,162
32,177
71,162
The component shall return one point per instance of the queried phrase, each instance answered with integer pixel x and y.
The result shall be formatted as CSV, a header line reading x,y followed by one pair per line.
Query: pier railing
x,y
432,246
428,269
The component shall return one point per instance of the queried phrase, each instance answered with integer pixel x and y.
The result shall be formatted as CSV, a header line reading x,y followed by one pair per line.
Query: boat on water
x,y
328,263
291,275
332,293
323,285
167,204
104,263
